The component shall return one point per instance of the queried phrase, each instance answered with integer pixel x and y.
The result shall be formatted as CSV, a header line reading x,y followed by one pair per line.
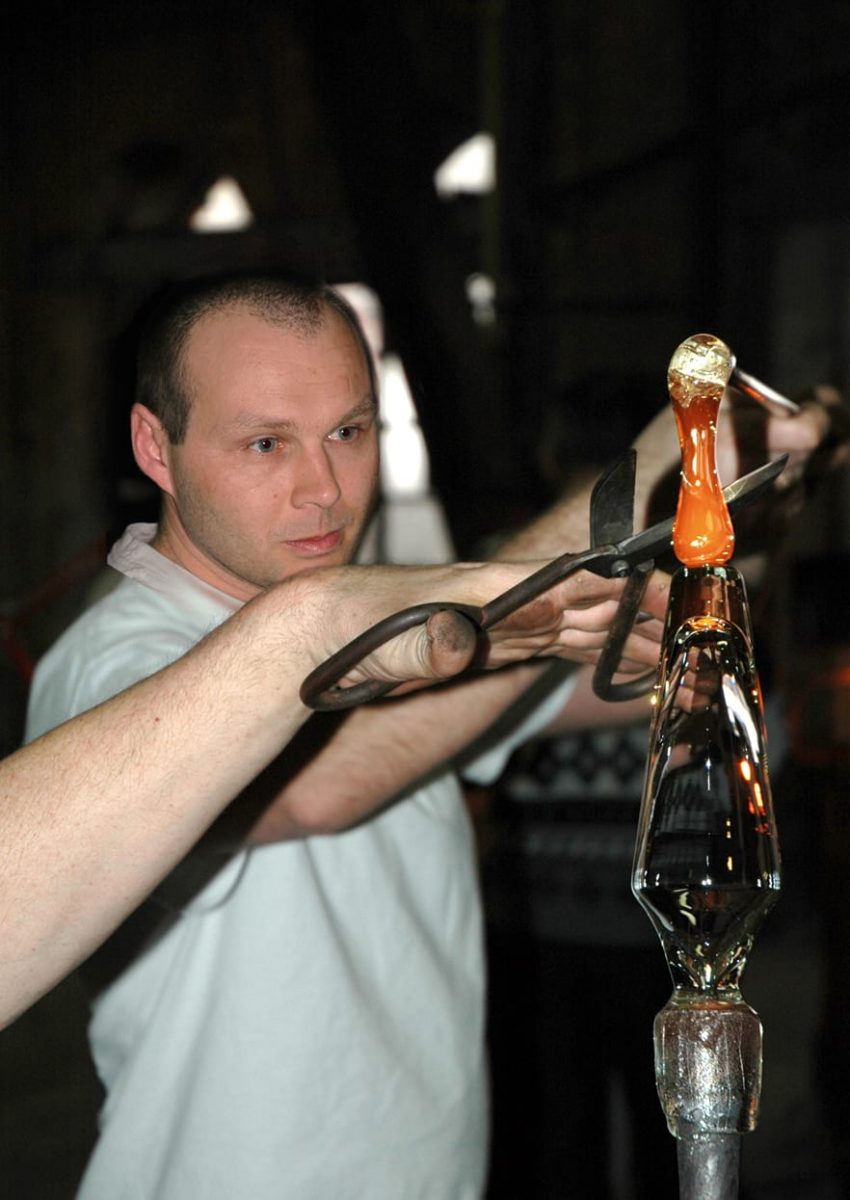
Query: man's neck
x,y
173,543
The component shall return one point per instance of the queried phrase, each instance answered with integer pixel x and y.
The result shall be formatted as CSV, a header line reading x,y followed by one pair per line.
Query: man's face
x,y
279,467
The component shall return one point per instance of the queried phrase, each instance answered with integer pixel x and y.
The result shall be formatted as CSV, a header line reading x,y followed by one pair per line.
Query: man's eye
x,y
346,433
264,445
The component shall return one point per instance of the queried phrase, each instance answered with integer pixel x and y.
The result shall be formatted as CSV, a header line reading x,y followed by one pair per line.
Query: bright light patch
x,y
481,294
470,169
224,209
404,458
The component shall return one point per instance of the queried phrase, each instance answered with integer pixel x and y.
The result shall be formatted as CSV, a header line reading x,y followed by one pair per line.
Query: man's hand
x,y
571,620
444,646
747,437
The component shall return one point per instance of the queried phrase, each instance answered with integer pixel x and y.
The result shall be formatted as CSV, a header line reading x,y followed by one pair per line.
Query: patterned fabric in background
x,y
563,824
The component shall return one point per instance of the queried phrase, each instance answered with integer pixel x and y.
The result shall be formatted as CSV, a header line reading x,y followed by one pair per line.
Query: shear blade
x,y
612,502
658,538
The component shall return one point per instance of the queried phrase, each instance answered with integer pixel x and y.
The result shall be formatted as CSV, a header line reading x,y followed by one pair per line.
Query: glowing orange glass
x,y
699,370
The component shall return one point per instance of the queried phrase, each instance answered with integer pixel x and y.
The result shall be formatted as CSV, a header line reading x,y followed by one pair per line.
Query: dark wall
x,y
663,168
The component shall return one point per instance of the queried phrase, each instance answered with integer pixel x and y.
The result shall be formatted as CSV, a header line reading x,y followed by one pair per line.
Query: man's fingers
x,y
539,614
572,620
447,645
439,649
430,652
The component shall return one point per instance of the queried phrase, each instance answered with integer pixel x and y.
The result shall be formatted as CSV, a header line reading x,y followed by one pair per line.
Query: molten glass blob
x,y
697,376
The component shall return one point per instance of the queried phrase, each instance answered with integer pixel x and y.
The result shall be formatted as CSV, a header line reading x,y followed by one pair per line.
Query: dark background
x,y
663,168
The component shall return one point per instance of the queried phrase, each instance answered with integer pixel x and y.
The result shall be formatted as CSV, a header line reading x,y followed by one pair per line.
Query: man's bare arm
x,y
565,526
94,814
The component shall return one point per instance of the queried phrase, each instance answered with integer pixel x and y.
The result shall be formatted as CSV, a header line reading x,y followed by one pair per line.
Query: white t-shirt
x,y
309,1027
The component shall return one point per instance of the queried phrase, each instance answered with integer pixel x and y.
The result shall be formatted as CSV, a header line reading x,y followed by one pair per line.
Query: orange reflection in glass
x,y
703,534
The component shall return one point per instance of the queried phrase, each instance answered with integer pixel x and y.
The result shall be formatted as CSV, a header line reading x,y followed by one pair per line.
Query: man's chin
x,y
298,565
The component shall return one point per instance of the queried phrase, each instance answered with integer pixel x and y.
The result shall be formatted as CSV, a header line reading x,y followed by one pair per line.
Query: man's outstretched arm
x,y
382,750
341,772
746,437
94,814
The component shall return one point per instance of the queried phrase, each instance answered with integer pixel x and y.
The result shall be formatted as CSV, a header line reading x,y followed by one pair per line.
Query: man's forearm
x,y
95,813
565,526
382,750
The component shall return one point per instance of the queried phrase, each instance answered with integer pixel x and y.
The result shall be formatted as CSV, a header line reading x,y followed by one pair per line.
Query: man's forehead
x,y
244,373
237,339
238,321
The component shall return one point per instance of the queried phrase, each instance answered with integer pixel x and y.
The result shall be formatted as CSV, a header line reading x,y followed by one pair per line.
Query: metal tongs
x,y
616,553
773,401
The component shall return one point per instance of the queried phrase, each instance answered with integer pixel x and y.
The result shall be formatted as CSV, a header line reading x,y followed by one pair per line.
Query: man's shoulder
x,y
128,634
128,612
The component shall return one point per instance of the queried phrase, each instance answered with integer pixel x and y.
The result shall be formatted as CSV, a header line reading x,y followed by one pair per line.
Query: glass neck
x,y
714,592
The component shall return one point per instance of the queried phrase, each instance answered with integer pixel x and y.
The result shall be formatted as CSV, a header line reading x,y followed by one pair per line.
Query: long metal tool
x,y
766,396
612,517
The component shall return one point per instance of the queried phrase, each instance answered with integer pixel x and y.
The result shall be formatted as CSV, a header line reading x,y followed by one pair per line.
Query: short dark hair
x,y
296,305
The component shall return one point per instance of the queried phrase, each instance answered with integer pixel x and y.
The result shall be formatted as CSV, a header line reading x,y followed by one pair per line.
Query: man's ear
x,y
151,447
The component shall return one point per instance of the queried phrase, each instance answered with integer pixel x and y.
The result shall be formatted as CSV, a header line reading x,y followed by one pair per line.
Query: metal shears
x,y
616,552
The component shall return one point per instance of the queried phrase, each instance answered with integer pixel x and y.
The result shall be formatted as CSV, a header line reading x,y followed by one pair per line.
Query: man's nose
x,y
315,481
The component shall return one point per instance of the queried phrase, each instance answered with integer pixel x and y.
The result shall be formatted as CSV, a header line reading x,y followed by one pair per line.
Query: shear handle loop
x,y
321,690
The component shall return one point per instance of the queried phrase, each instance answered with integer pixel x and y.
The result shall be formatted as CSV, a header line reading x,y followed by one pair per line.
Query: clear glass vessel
x,y
707,868
707,864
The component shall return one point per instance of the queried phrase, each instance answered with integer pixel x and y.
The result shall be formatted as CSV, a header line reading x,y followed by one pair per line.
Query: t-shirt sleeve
x,y
79,673
487,768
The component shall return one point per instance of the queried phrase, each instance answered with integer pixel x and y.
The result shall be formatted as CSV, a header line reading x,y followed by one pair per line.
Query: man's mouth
x,y
324,543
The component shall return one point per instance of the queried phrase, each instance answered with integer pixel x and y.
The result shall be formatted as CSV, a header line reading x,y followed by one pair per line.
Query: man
x,y
309,1022
88,819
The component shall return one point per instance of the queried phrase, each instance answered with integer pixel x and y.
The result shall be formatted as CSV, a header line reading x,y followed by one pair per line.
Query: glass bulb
x,y
707,861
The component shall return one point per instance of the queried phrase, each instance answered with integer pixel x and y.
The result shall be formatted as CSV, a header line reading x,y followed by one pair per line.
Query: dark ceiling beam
x,y
304,248
831,93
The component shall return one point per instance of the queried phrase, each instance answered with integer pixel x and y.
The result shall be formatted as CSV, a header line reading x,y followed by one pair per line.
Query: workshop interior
x,y
531,205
